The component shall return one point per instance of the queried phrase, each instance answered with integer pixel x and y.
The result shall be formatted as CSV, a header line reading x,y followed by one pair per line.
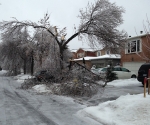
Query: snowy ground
x,y
125,110
124,82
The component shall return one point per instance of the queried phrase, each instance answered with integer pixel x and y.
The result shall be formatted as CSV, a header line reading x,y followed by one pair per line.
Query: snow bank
x,y
3,72
20,78
126,110
125,82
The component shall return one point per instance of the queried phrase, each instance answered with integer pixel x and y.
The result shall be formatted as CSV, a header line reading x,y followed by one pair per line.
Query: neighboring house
x,y
100,61
105,60
106,51
82,52
87,52
99,58
137,52
73,53
102,52
88,63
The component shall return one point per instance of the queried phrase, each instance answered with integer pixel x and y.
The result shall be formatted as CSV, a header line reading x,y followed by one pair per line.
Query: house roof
x,y
90,49
85,58
74,50
139,36
109,56
87,49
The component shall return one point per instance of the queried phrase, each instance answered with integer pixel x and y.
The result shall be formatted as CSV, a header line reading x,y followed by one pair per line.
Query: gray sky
x,y
63,13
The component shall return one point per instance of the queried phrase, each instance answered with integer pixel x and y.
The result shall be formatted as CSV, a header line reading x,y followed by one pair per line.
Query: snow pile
x,y
125,82
27,76
20,78
112,56
41,89
126,110
107,56
2,72
85,58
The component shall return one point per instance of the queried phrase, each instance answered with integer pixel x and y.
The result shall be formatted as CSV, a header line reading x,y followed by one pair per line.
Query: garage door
x,y
133,66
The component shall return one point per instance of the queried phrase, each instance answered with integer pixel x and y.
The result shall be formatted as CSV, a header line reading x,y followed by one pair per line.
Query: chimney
x,y
141,32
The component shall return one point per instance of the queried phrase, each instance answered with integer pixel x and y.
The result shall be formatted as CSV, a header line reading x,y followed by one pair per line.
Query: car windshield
x,y
124,70
116,69
104,69
40,72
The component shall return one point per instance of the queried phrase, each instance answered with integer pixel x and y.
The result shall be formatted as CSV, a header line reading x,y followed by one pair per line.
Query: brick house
x,y
105,60
99,58
82,52
87,52
73,53
100,61
88,63
137,52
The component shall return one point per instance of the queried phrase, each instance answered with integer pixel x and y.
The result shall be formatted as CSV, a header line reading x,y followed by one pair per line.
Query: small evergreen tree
x,y
110,76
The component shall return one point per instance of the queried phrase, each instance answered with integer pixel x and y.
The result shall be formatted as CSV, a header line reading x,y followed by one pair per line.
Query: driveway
x,y
112,92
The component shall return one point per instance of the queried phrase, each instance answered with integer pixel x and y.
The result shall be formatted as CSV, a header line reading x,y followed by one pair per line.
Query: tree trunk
x,y
15,70
24,67
32,63
40,60
61,49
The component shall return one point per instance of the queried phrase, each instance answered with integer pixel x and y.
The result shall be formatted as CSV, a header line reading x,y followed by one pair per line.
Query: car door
x,y
126,74
117,70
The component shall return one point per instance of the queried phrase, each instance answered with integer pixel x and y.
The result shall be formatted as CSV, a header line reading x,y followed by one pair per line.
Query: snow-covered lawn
x,y
125,82
126,110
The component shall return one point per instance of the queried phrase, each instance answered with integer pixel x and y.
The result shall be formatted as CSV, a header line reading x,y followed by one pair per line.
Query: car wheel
x,y
133,76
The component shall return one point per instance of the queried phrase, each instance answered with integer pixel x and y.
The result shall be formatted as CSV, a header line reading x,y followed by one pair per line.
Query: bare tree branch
x,y
99,23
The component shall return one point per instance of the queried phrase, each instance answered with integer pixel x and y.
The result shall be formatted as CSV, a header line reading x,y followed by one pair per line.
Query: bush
x,y
110,76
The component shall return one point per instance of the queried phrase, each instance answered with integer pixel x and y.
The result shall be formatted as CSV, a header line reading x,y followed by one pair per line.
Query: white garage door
x,y
133,66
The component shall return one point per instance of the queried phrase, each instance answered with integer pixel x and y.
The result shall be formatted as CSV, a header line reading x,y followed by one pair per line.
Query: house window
x,y
107,52
80,55
98,53
133,46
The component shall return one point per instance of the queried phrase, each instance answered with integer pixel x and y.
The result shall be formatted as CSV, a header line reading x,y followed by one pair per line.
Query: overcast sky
x,y
63,13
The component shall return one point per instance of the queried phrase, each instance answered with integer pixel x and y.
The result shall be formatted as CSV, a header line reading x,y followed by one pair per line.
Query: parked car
x,y
43,75
143,72
96,71
122,73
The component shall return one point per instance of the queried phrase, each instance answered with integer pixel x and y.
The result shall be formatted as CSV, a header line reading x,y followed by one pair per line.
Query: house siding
x,y
137,57
131,57
99,63
103,52
88,53
81,53
87,63
133,61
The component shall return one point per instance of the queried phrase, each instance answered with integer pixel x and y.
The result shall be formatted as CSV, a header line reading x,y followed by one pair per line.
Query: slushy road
x,y
24,107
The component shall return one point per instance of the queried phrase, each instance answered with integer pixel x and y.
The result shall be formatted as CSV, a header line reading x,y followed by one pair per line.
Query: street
x,y
21,107
25,107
